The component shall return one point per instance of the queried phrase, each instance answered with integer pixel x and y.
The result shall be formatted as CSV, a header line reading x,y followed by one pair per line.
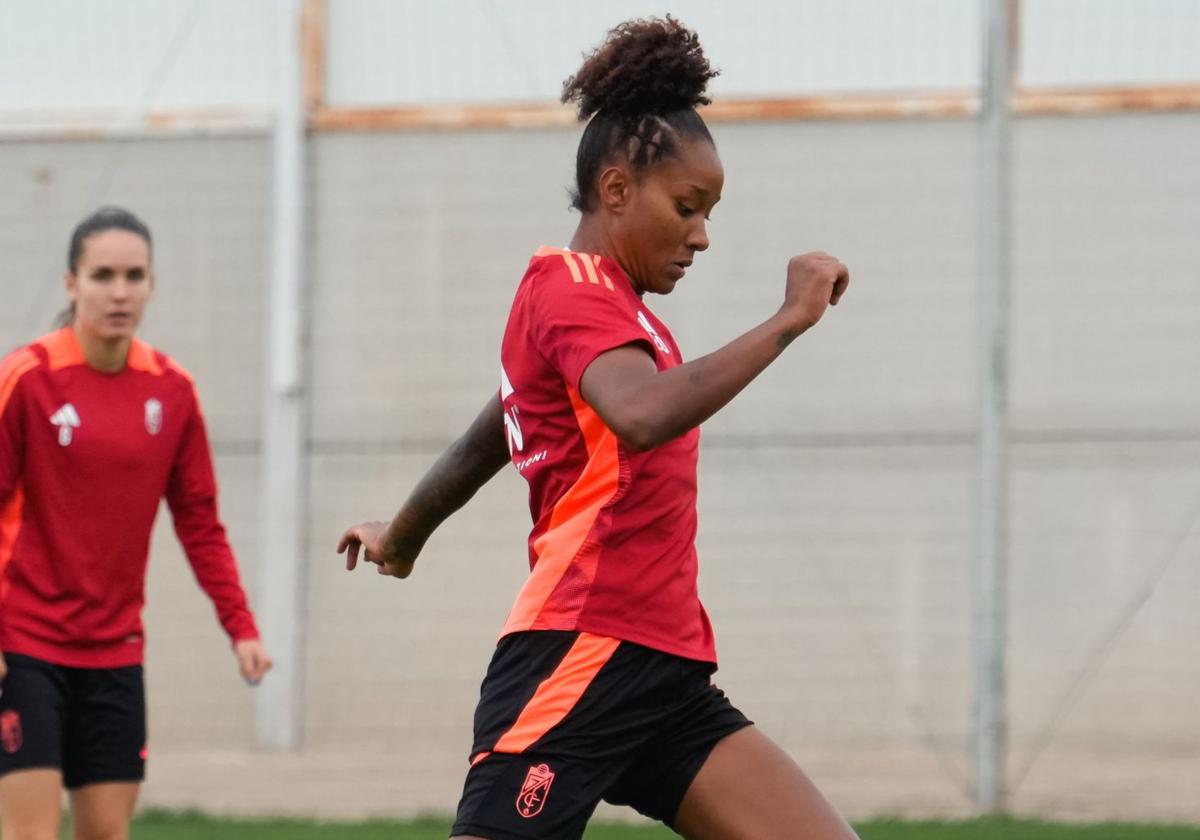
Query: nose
x,y
697,238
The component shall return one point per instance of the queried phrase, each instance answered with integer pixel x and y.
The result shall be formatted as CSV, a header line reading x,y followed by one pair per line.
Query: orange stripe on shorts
x,y
558,693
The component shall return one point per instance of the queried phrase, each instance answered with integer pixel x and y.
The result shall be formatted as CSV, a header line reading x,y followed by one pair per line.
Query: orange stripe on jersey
x,y
561,548
591,271
181,370
569,259
607,279
11,371
558,693
142,357
62,349
590,266
174,366
10,526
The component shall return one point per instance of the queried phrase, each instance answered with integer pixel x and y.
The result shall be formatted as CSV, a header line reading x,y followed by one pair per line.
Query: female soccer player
x,y
95,428
600,685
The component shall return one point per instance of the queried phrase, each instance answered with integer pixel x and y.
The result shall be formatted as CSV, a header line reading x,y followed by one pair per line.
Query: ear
x,y
614,189
72,284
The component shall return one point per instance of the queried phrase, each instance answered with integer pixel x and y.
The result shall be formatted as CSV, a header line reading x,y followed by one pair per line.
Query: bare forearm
x,y
683,397
645,407
468,464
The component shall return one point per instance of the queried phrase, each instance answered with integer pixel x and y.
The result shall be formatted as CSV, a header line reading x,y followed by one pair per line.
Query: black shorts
x,y
566,719
90,723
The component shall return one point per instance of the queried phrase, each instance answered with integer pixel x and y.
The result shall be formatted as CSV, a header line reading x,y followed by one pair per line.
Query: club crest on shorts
x,y
10,730
154,416
534,791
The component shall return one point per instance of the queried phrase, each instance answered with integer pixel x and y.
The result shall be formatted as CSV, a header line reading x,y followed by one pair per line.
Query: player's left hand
x,y
253,659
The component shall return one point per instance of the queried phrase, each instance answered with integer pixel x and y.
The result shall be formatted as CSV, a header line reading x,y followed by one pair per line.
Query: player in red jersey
x,y
96,427
600,685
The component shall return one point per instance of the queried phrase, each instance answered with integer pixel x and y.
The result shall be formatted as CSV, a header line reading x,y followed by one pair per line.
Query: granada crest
x,y
10,730
535,790
154,416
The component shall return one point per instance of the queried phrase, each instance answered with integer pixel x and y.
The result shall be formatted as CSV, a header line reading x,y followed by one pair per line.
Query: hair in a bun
x,y
644,66
640,89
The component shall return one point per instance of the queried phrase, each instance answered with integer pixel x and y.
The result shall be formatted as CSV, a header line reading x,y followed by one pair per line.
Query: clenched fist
x,y
814,281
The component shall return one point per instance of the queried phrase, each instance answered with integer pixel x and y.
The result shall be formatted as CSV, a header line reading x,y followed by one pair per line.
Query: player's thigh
x,y
102,811
750,789
561,716
32,720
106,728
30,804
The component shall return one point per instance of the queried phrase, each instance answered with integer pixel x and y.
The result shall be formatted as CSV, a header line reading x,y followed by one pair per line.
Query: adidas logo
x,y
658,342
67,420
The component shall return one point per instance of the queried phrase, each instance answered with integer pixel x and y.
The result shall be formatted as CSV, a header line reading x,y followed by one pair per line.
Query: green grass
x,y
1010,829
171,826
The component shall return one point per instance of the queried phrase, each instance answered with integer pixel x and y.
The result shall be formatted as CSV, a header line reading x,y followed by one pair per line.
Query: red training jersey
x,y
85,457
612,550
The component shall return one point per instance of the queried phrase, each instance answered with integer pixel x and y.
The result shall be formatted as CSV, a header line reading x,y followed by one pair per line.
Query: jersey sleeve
x,y
573,323
12,452
12,435
192,498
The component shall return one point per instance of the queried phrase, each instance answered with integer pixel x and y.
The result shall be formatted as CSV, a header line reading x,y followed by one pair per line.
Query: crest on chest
x,y
154,416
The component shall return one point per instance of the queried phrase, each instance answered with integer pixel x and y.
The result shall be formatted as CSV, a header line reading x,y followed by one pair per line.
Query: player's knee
x,y
112,834
115,829
42,830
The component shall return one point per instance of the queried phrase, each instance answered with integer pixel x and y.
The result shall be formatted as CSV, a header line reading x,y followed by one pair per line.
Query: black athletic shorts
x,y
90,723
566,719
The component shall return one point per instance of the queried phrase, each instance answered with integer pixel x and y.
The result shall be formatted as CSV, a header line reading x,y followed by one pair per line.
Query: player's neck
x,y
594,237
107,355
591,238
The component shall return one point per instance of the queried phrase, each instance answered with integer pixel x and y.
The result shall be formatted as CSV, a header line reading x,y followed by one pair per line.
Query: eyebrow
x,y
108,269
695,190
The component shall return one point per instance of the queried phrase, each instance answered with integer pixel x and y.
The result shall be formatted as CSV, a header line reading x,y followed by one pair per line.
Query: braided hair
x,y
639,89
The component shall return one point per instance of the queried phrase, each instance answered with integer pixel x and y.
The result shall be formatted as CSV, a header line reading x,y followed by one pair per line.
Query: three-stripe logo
x,y
67,420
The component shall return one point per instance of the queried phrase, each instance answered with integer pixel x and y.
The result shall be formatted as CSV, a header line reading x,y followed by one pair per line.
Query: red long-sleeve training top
x,y
85,458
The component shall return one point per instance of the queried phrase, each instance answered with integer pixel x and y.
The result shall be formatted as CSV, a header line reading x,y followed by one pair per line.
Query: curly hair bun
x,y
645,66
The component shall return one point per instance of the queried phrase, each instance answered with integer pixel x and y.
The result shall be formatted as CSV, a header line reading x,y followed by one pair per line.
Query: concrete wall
x,y
835,493
206,203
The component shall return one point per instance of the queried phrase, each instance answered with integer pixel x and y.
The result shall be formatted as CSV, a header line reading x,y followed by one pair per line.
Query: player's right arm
x,y
12,447
646,407
468,464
